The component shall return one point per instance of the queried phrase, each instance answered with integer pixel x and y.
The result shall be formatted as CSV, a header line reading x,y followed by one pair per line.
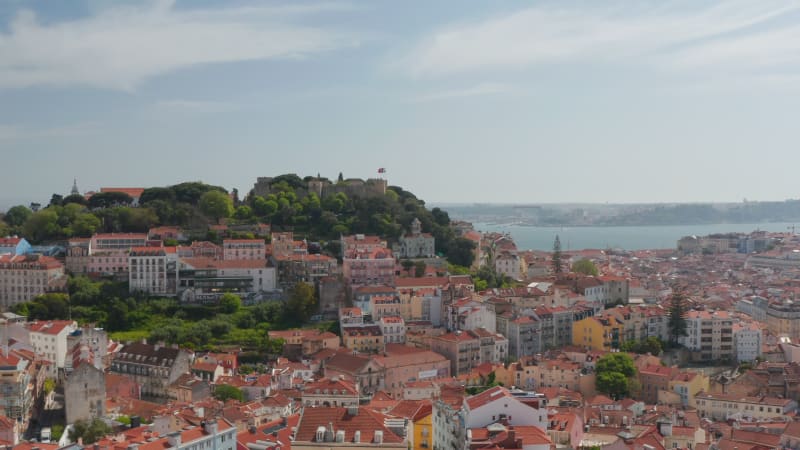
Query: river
x,y
627,238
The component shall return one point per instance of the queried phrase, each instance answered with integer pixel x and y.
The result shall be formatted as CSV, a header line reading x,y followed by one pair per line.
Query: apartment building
x,y
16,386
233,249
369,267
725,406
154,367
49,339
597,333
23,277
153,270
748,341
709,335
467,350
306,268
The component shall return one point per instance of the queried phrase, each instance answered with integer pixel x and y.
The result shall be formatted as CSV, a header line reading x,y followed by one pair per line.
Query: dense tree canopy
x,y
89,432
109,200
652,345
585,266
216,205
224,392
614,374
17,215
289,206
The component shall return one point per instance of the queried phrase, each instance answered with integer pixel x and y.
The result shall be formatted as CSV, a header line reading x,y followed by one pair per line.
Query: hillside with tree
x,y
194,206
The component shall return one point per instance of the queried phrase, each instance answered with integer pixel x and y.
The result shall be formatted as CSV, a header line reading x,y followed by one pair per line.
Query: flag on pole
x,y
382,170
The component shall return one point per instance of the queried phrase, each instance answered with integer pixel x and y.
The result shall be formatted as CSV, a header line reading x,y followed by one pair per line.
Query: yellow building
x,y
423,428
364,338
597,333
687,385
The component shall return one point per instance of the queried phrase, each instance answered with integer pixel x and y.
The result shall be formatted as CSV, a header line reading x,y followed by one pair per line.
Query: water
x,y
628,238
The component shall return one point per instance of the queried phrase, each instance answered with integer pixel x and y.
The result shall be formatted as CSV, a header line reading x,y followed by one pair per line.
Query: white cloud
x,y
667,36
477,90
120,47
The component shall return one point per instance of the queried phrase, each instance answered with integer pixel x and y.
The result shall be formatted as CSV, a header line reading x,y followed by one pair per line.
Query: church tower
x,y
416,227
74,190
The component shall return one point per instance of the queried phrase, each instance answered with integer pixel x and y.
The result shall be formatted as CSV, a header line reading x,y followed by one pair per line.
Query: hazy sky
x,y
501,101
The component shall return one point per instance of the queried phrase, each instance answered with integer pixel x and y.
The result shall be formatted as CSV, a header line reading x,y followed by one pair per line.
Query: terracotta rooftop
x,y
366,422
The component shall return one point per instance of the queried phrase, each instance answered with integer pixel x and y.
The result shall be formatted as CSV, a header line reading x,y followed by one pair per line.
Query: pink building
x,y
243,249
23,277
362,268
360,243
108,252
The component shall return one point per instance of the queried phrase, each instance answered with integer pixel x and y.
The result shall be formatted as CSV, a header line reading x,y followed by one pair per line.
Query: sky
x,y
502,101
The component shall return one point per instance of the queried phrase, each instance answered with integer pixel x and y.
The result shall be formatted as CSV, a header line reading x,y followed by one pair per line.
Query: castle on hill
x,y
352,187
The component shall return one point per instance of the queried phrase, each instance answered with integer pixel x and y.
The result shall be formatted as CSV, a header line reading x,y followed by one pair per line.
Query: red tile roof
x,y
133,192
53,327
366,421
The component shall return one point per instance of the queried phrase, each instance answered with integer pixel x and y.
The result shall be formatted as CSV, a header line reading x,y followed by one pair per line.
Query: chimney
x,y
210,427
174,439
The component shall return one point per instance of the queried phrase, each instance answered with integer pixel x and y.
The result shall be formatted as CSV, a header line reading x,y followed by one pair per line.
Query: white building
x,y
497,404
393,329
23,277
415,245
748,340
49,339
710,334
510,265
467,314
206,277
153,270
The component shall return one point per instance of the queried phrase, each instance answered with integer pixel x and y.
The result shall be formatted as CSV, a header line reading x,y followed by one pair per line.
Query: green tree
x,y
614,384
585,267
556,258
49,385
229,303
678,309
75,198
419,269
17,215
302,303
651,345
616,362
216,205
56,200
42,225
89,432
461,252
224,392
85,225
56,431
407,264
243,212
615,372
5,229
109,199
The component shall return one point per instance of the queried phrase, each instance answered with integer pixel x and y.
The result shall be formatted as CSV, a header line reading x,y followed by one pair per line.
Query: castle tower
x,y
74,190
